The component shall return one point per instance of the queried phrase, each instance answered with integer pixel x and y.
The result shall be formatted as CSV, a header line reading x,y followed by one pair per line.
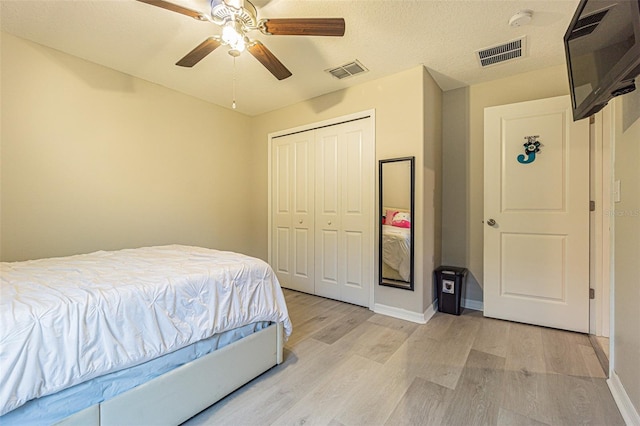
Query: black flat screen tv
x,y
602,46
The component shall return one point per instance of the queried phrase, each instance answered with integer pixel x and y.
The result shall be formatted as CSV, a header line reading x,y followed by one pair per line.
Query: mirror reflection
x,y
396,229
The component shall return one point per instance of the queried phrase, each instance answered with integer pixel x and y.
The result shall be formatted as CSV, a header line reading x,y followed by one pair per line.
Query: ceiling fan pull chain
x,y
233,104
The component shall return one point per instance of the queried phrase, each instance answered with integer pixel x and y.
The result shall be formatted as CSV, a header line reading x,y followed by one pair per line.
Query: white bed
x,y
396,252
68,323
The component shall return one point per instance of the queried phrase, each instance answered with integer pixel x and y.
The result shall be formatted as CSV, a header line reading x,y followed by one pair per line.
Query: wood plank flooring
x,y
345,365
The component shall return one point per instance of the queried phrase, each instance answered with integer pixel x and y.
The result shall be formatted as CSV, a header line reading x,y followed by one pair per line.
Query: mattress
x,y
396,249
69,320
53,408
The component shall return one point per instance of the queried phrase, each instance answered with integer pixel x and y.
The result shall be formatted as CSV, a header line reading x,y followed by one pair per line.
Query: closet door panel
x,y
293,210
282,180
303,216
344,177
281,216
327,209
303,266
327,190
327,265
353,175
356,212
354,257
303,172
282,255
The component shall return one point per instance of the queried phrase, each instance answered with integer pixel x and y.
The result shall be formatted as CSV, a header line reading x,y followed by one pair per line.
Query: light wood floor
x,y
345,365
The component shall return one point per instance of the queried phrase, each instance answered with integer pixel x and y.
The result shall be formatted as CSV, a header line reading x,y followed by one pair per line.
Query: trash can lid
x,y
452,270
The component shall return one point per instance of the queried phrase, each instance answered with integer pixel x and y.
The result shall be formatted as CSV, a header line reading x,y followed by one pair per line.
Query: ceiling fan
x,y
237,18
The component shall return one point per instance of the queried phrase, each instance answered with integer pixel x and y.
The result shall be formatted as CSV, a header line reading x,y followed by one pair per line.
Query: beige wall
x,y
432,239
95,159
455,182
399,105
627,245
396,187
455,163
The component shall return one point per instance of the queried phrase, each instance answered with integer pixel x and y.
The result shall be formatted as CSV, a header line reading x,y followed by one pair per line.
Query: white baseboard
x,y
406,315
431,310
476,305
628,411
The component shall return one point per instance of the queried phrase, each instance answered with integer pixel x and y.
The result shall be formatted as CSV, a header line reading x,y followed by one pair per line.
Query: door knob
x,y
300,221
329,223
491,222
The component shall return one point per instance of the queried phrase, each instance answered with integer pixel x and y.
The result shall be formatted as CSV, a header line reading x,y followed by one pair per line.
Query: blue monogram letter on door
x,y
531,148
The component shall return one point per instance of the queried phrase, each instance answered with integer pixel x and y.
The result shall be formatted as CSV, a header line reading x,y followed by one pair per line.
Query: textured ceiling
x,y
386,36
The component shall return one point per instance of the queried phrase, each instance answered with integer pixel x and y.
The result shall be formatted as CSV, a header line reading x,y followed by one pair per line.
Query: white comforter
x,y
396,248
66,320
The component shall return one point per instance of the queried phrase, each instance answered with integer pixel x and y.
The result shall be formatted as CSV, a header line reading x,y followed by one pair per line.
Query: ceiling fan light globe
x,y
240,46
230,35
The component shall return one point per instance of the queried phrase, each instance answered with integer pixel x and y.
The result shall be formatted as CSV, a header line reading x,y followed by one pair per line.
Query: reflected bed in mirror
x,y
395,215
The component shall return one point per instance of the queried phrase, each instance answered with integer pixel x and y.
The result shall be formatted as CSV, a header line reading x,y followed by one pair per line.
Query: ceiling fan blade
x,y
268,59
197,54
305,26
175,8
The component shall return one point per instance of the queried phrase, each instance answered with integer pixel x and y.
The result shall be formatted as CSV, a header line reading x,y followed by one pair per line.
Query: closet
x,y
322,210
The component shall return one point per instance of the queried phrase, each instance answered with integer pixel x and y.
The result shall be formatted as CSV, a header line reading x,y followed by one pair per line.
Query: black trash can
x,y
450,282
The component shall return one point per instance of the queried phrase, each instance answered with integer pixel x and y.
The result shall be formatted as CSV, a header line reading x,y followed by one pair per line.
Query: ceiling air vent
x,y
347,70
504,52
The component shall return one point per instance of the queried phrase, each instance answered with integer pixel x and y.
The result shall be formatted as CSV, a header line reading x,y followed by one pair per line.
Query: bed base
x,y
178,395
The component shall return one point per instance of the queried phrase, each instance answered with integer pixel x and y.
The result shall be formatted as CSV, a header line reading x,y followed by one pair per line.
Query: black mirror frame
x,y
388,282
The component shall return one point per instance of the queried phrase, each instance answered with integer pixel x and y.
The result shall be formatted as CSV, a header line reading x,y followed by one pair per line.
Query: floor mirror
x,y
397,202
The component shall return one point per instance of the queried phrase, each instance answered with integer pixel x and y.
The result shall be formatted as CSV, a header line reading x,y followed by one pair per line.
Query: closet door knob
x,y
300,221
329,223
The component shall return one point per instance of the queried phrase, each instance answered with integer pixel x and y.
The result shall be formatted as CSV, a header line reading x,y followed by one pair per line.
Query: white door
x,y
536,254
292,210
344,209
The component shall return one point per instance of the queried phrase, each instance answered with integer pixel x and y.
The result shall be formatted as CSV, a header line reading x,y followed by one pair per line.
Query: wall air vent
x,y
501,53
347,70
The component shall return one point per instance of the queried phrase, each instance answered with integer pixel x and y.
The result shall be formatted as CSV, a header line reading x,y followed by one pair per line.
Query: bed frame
x,y
178,395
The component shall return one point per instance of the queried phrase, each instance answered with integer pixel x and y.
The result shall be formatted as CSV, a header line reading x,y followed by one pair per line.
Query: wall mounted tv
x,y
602,45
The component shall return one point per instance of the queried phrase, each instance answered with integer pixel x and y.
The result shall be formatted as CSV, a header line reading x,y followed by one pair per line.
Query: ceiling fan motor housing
x,y
226,11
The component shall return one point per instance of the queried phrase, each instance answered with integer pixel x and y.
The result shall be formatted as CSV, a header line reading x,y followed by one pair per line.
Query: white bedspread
x,y
396,247
66,320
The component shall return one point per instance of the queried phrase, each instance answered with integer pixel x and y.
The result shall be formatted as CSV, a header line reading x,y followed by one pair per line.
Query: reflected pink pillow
x,y
401,220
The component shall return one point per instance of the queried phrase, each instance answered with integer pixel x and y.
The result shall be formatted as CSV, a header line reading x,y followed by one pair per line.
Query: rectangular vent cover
x,y
502,53
347,70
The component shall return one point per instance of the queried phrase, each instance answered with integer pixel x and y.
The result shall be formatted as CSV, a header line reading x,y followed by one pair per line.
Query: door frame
x,y
312,126
601,148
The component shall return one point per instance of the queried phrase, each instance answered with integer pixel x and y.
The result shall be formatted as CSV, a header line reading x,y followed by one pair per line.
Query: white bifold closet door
x,y
322,211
